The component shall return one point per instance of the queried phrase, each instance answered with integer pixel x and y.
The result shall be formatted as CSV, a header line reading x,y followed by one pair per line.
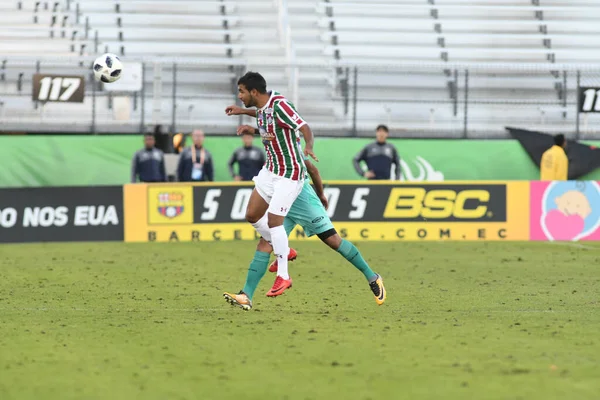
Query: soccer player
x,y
281,180
308,211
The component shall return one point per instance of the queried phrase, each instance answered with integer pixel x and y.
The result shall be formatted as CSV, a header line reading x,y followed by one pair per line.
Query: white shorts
x,y
278,191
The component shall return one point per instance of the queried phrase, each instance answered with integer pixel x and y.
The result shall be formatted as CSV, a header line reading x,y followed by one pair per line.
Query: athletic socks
x,y
351,253
262,227
281,249
256,271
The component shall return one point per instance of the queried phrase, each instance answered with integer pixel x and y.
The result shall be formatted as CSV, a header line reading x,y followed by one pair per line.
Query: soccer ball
x,y
108,68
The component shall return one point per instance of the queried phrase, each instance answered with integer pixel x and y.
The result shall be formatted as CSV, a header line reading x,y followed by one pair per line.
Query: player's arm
x,y
315,176
287,117
242,129
236,110
309,142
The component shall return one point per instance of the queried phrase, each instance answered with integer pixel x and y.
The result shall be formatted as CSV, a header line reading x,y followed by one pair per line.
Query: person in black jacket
x,y
195,163
148,163
379,157
250,159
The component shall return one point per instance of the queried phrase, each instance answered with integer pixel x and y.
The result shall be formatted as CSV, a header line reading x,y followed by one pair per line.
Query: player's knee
x,y
252,217
331,238
275,220
334,242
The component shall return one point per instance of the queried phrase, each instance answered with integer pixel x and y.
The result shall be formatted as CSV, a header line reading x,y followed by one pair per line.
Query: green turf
x,y
147,321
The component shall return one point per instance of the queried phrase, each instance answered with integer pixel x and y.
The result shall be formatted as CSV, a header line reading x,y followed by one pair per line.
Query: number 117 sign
x,y
59,88
589,100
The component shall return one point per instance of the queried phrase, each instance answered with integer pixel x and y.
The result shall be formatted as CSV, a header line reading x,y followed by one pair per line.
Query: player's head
x,y
149,140
247,139
560,140
381,133
198,137
250,86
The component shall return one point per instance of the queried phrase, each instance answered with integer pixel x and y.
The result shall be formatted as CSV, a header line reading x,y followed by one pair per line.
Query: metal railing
x,y
414,99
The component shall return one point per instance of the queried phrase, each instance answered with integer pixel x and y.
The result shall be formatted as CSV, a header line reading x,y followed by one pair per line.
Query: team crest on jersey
x,y
266,136
269,116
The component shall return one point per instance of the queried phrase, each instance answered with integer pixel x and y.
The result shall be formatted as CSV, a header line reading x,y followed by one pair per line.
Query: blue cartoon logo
x,y
570,210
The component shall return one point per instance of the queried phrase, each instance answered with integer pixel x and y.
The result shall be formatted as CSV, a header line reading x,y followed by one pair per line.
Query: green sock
x,y
351,253
256,271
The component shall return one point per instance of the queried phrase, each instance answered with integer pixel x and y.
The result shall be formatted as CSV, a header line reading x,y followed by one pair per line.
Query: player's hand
x,y
308,151
245,129
237,178
369,174
234,110
324,201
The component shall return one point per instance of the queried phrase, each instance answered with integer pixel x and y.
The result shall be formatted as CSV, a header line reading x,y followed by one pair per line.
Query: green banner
x,y
106,160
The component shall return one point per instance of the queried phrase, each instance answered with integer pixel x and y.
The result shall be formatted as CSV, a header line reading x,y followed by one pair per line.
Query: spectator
x,y
148,163
163,141
379,157
554,165
250,159
195,163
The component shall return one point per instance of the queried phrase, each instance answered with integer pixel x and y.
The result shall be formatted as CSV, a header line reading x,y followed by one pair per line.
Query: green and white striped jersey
x,y
278,121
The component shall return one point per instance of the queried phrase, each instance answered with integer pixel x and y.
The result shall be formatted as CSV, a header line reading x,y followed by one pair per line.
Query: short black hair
x,y
149,134
559,139
383,128
253,80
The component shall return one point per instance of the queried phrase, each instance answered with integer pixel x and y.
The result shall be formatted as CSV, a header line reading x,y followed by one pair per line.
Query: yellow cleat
x,y
239,300
378,290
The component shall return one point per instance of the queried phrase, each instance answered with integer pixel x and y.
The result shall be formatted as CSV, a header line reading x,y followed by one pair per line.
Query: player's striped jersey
x,y
278,122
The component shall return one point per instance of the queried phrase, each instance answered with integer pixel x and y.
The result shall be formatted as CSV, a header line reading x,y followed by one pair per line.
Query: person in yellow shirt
x,y
555,164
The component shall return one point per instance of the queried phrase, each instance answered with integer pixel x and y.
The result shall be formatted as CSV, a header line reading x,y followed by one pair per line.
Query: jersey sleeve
x,y
287,116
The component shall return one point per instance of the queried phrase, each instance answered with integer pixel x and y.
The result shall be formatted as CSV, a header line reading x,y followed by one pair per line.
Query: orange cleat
x,y
291,257
280,286
239,300
378,290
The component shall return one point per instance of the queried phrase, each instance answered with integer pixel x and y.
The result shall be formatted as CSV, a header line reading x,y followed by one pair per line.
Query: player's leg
x,y
256,270
284,194
289,223
256,211
259,263
312,216
349,251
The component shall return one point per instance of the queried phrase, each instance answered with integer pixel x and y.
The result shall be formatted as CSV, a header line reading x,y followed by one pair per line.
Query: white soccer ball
x,y
108,68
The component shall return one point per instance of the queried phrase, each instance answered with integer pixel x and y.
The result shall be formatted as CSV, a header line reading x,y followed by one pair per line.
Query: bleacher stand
x,y
411,59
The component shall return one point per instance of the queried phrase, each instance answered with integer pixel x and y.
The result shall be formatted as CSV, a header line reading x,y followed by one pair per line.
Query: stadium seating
x,y
422,50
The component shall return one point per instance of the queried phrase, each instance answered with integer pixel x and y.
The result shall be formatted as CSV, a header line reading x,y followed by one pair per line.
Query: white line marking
x,y
574,244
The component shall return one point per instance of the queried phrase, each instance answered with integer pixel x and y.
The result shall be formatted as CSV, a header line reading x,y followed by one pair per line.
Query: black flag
x,y
583,159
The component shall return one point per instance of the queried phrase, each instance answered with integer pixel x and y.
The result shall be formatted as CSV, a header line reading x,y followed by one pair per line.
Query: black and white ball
x,y
108,68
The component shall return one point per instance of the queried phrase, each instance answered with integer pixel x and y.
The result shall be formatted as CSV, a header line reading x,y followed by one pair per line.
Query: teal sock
x,y
351,253
256,271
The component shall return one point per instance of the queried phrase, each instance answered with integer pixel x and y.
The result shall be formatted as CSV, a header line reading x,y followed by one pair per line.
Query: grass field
x,y
147,321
